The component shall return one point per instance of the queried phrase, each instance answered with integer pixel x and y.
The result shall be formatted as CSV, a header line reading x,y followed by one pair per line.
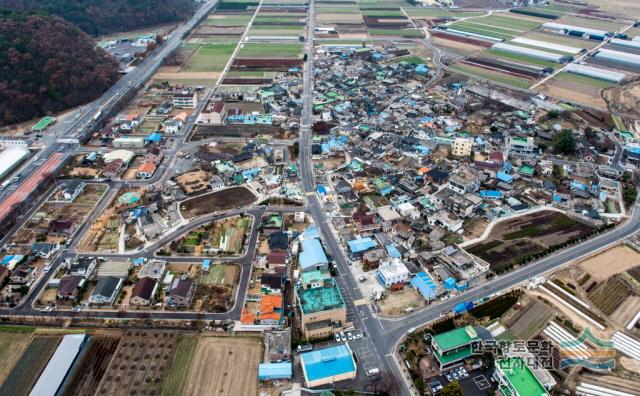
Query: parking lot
x,y
475,382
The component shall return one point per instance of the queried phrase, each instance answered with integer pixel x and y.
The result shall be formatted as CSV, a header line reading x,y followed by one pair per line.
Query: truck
x,y
96,116
5,184
373,371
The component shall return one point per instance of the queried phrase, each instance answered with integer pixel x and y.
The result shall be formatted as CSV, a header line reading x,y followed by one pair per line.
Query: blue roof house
x,y
328,365
357,246
312,256
275,371
423,283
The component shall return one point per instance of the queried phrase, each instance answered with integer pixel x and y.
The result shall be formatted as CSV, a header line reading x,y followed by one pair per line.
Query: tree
x,y
553,114
564,142
453,388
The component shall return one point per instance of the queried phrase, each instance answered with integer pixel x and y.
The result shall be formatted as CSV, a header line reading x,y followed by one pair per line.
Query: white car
x,y
342,337
358,336
337,337
349,337
47,309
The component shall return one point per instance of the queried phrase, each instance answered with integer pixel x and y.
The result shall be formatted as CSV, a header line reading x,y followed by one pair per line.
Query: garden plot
x,y
224,237
530,319
180,367
229,198
11,347
224,366
514,240
216,288
94,364
141,362
609,294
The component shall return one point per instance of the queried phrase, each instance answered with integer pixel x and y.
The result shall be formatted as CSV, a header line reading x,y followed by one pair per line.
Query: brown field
x,y
396,303
530,319
610,262
457,46
215,201
11,347
224,366
140,364
626,311
580,93
94,365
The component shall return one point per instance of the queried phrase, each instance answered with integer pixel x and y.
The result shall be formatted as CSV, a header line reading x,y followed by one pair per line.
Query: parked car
x,y
337,337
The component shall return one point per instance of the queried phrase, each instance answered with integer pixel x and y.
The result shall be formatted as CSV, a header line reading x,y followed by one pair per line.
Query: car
x,y
337,337
342,337
76,309
349,337
449,378
455,375
358,336
60,149
47,309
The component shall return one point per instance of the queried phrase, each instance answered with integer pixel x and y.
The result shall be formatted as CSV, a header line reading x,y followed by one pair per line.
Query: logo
x,y
587,351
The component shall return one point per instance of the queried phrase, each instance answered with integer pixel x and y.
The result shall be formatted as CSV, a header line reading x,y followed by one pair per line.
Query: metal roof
x,y
58,367
11,157
327,362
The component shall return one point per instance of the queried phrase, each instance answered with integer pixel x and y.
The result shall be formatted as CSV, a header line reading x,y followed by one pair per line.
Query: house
x,y
143,292
465,181
83,266
106,291
180,293
44,249
172,126
272,282
69,287
186,99
70,190
270,310
461,147
392,273
22,275
150,225
328,365
146,170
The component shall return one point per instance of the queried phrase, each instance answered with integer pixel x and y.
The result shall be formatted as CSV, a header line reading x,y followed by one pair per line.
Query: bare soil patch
x,y
610,262
219,200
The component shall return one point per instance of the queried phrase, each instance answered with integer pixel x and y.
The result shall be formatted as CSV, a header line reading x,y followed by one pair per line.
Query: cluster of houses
x,y
420,165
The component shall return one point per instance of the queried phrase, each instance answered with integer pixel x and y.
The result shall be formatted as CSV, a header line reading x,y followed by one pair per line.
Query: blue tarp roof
x,y
503,177
393,251
449,283
321,189
327,362
424,284
269,371
154,137
312,254
361,245
206,264
491,194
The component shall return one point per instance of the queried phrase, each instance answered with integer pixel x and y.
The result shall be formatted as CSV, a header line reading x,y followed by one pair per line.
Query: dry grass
x,y
610,262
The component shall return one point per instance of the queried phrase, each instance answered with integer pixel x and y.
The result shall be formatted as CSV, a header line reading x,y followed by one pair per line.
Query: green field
x,y
507,23
415,60
229,20
396,32
493,76
267,50
494,53
210,58
484,30
177,376
584,80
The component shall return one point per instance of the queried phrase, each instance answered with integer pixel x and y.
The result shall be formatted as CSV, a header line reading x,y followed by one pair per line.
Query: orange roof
x,y
182,116
132,117
270,315
148,167
358,185
269,303
424,170
247,317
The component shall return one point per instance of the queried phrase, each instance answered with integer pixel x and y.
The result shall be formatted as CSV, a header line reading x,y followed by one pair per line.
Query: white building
x,y
10,159
519,146
461,147
392,273
185,99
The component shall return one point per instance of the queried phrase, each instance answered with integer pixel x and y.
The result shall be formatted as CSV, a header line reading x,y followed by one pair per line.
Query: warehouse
x,y
626,43
595,72
10,159
328,365
569,29
551,46
618,57
469,34
544,55
57,370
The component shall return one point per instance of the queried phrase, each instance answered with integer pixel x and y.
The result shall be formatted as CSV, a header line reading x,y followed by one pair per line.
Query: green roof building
x,y
322,308
517,379
453,347
43,124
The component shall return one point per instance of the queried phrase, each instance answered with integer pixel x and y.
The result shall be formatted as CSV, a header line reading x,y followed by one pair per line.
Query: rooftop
x,y
320,299
455,338
520,377
312,254
327,362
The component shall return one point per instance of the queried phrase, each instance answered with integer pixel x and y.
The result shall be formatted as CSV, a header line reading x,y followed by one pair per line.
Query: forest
x,y
98,17
48,65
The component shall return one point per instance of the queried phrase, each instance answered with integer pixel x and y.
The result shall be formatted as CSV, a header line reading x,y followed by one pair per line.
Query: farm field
x,y
219,237
514,239
484,30
269,50
560,39
494,53
573,91
11,347
610,262
179,367
224,366
216,201
492,75
396,32
140,363
530,319
584,80
28,367
608,295
210,58
94,365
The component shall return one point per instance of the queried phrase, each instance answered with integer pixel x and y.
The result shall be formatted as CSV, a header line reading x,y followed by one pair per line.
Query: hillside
x,y
98,17
48,65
